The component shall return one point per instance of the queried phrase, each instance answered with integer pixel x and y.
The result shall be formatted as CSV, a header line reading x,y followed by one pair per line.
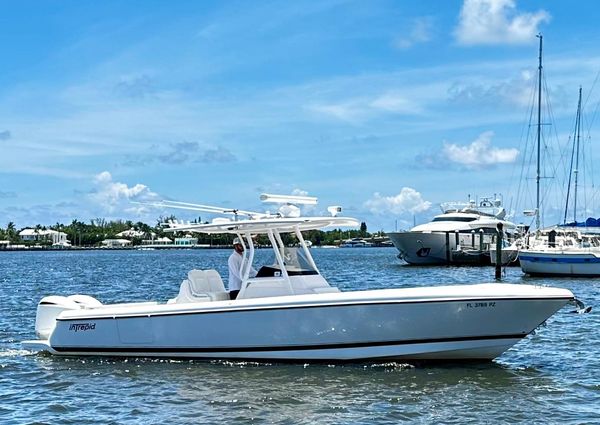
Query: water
x,y
550,377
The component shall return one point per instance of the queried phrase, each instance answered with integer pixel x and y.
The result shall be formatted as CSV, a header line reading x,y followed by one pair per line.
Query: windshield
x,y
295,262
466,219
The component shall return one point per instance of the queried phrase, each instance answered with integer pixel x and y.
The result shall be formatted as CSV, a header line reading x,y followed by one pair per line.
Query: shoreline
x,y
149,248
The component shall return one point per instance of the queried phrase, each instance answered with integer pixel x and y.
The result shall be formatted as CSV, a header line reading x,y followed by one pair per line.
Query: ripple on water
x,y
548,377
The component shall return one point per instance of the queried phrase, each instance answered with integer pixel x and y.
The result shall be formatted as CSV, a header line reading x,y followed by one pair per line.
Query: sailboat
x,y
511,253
563,250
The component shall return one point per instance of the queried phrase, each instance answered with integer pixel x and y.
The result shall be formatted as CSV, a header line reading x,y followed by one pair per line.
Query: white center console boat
x,y
289,312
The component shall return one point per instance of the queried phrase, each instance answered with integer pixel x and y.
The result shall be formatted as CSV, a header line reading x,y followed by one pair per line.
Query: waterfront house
x,y
57,238
115,243
187,240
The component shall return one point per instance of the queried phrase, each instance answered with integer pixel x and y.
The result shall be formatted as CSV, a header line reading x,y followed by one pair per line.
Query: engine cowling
x,y
48,310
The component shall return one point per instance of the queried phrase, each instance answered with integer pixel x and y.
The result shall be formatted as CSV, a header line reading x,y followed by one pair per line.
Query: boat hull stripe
x,y
579,260
170,350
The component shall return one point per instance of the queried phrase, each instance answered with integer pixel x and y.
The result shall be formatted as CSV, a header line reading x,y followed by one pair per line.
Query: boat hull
x,y
395,324
560,263
509,256
440,248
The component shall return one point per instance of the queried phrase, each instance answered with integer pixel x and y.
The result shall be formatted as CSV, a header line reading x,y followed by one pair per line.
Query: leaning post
x,y
499,251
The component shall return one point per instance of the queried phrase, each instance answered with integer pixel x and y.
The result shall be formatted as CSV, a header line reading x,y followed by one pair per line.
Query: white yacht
x,y
288,311
355,243
461,235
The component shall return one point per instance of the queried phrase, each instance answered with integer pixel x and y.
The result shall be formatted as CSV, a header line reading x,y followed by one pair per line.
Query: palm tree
x,y
11,232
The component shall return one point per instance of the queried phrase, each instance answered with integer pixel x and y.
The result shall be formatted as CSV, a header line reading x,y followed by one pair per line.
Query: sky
x,y
387,108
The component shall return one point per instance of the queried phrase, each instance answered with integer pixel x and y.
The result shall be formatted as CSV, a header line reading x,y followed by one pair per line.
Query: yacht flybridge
x,y
289,312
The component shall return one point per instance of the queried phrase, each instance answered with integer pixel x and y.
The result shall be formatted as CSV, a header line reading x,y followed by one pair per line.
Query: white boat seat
x,y
206,281
201,286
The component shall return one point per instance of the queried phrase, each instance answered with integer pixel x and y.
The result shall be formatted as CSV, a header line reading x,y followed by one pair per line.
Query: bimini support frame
x,y
275,238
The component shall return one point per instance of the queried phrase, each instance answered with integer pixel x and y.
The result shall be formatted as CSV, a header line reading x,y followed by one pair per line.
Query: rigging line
x,y
525,129
569,184
562,153
591,90
589,126
597,103
548,151
594,114
572,142
589,164
547,144
525,198
529,161
578,136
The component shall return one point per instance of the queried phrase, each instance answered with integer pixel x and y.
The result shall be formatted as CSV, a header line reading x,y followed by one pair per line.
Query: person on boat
x,y
235,269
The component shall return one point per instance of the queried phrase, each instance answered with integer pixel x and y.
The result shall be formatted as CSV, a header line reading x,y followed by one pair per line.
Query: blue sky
x,y
387,108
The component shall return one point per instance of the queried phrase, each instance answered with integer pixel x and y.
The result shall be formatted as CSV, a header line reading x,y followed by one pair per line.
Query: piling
x,y
480,240
447,247
499,251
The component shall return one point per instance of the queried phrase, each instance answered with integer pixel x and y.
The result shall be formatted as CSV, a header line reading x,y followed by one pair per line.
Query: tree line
x,y
93,233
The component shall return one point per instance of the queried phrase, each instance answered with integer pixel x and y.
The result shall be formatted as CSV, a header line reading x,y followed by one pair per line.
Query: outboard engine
x,y
50,307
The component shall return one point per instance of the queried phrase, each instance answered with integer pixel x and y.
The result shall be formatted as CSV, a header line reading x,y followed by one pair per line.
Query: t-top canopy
x,y
222,225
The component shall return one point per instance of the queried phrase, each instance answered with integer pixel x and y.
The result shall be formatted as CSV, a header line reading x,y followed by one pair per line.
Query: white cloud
x,y
394,102
299,192
420,32
497,22
363,108
114,196
341,111
407,201
479,153
516,91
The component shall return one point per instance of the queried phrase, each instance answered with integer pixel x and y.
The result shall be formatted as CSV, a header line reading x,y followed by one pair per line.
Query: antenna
x,y
199,207
288,199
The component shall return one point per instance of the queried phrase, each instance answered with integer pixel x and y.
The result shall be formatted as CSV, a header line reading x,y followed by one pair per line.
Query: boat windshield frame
x,y
281,255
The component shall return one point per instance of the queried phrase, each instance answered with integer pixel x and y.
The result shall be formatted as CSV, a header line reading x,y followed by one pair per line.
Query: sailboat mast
x,y
539,136
576,171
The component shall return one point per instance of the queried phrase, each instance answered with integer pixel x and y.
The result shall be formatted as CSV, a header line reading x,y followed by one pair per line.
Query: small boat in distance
x,y
462,234
355,243
288,311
